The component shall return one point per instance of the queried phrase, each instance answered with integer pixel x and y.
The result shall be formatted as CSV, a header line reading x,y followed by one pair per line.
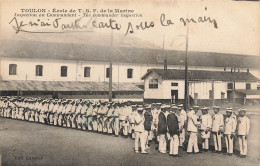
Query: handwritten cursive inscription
x,y
58,25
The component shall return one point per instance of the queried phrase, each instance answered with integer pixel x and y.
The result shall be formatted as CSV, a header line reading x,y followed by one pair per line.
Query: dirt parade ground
x,y
26,143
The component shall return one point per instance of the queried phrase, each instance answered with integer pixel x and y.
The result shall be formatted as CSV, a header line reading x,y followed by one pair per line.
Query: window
x,y
38,70
129,73
107,72
12,69
230,85
174,83
248,86
86,71
153,83
63,70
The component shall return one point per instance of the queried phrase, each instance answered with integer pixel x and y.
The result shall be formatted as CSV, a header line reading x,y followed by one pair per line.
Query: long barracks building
x,y
58,70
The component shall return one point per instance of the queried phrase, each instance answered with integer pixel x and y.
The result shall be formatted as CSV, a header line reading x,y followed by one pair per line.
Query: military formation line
x,y
166,124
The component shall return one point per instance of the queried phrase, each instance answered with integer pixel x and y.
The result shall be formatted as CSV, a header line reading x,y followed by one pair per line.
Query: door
x,y
174,94
222,95
229,95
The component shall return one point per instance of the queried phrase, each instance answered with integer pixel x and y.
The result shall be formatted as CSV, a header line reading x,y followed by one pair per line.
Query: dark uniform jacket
x,y
148,118
162,125
172,123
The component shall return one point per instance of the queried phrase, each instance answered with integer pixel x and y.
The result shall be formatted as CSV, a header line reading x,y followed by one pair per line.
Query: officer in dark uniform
x,y
148,119
173,129
162,130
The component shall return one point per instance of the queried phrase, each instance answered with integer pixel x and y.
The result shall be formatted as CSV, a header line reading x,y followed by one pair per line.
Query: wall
x,y
242,85
164,88
168,88
51,70
26,70
153,93
202,88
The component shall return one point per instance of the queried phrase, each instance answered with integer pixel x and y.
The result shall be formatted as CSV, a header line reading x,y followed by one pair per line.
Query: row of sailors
x,y
122,118
218,126
100,116
171,129
70,113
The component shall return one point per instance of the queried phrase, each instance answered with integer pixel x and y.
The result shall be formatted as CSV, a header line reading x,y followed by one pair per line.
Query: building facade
x,y
204,86
89,71
26,62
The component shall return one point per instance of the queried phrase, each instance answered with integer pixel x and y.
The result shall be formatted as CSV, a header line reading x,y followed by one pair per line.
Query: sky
x,y
237,29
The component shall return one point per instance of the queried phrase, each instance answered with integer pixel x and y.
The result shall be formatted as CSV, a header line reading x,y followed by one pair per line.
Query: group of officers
x,y
166,124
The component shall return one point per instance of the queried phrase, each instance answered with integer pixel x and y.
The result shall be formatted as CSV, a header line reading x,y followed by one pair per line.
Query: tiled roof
x,y
194,75
84,52
249,92
14,85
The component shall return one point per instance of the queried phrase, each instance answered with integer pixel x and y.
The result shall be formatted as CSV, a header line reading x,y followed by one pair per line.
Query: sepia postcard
x,y
128,82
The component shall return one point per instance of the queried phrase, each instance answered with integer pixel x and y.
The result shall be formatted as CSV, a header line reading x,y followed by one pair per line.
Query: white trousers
x,y
90,123
146,133
13,114
84,123
242,144
17,114
193,143
51,119
217,141
22,116
110,126
26,115
182,137
162,143
139,136
120,124
95,125
116,129
100,124
132,126
73,121
148,137
105,123
125,130
36,117
55,120
68,121
205,143
229,143
60,119
79,121
174,145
